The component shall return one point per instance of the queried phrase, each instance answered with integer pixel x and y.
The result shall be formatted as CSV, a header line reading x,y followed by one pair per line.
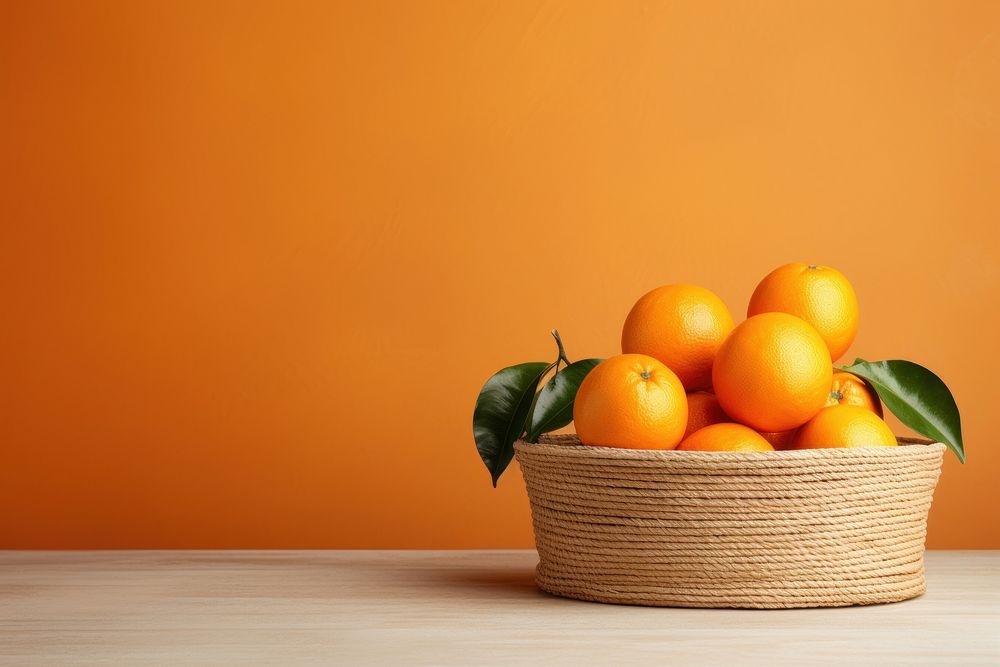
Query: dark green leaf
x,y
554,406
918,397
501,411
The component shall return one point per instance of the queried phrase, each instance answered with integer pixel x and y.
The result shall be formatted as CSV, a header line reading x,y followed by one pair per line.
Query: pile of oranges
x,y
689,379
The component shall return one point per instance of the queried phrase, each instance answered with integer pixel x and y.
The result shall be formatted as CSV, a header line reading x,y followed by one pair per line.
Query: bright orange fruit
x,y
845,426
703,410
631,401
725,438
682,326
849,389
820,295
773,372
781,439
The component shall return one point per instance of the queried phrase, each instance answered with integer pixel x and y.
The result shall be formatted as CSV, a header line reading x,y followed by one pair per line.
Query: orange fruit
x,y
703,410
682,326
845,426
725,438
773,372
820,295
849,389
781,439
631,401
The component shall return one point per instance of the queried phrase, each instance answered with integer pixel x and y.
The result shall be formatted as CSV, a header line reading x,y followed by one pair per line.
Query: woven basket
x,y
811,528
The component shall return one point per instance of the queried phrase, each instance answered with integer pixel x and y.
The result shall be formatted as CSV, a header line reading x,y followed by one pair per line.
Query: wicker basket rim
x,y
569,445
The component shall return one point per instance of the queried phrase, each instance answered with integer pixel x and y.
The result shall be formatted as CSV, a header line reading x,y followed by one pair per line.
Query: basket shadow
x,y
519,583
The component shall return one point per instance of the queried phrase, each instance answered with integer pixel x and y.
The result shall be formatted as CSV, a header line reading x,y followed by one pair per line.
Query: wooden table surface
x,y
445,608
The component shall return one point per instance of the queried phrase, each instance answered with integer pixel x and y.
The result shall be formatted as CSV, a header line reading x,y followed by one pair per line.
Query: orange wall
x,y
258,258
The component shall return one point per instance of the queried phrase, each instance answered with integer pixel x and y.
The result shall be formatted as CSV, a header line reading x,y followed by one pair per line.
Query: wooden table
x,y
445,608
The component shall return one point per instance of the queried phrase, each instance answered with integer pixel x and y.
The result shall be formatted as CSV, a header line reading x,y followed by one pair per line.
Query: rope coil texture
x,y
810,528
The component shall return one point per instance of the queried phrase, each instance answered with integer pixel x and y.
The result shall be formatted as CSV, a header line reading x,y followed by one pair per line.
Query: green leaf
x,y
501,411
554,406
918,397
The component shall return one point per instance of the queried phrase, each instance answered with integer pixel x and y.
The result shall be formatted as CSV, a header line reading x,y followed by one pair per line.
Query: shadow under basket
x,y
810,528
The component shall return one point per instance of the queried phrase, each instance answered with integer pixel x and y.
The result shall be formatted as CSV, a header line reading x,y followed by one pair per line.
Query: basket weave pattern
x,y
812,528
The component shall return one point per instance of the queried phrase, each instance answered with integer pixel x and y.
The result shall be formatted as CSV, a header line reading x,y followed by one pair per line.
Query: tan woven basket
x,y
811,528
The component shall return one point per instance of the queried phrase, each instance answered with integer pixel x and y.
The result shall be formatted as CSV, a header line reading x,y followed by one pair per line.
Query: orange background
x,y
258,258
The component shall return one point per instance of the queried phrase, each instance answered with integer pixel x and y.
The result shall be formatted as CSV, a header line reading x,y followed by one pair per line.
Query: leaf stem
x,y
562,351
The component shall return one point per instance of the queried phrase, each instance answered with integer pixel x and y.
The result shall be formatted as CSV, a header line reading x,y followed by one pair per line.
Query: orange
x,y
845,426
703,410
773,373
849,389
726,438
821,296
781,439
682,326
631,401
